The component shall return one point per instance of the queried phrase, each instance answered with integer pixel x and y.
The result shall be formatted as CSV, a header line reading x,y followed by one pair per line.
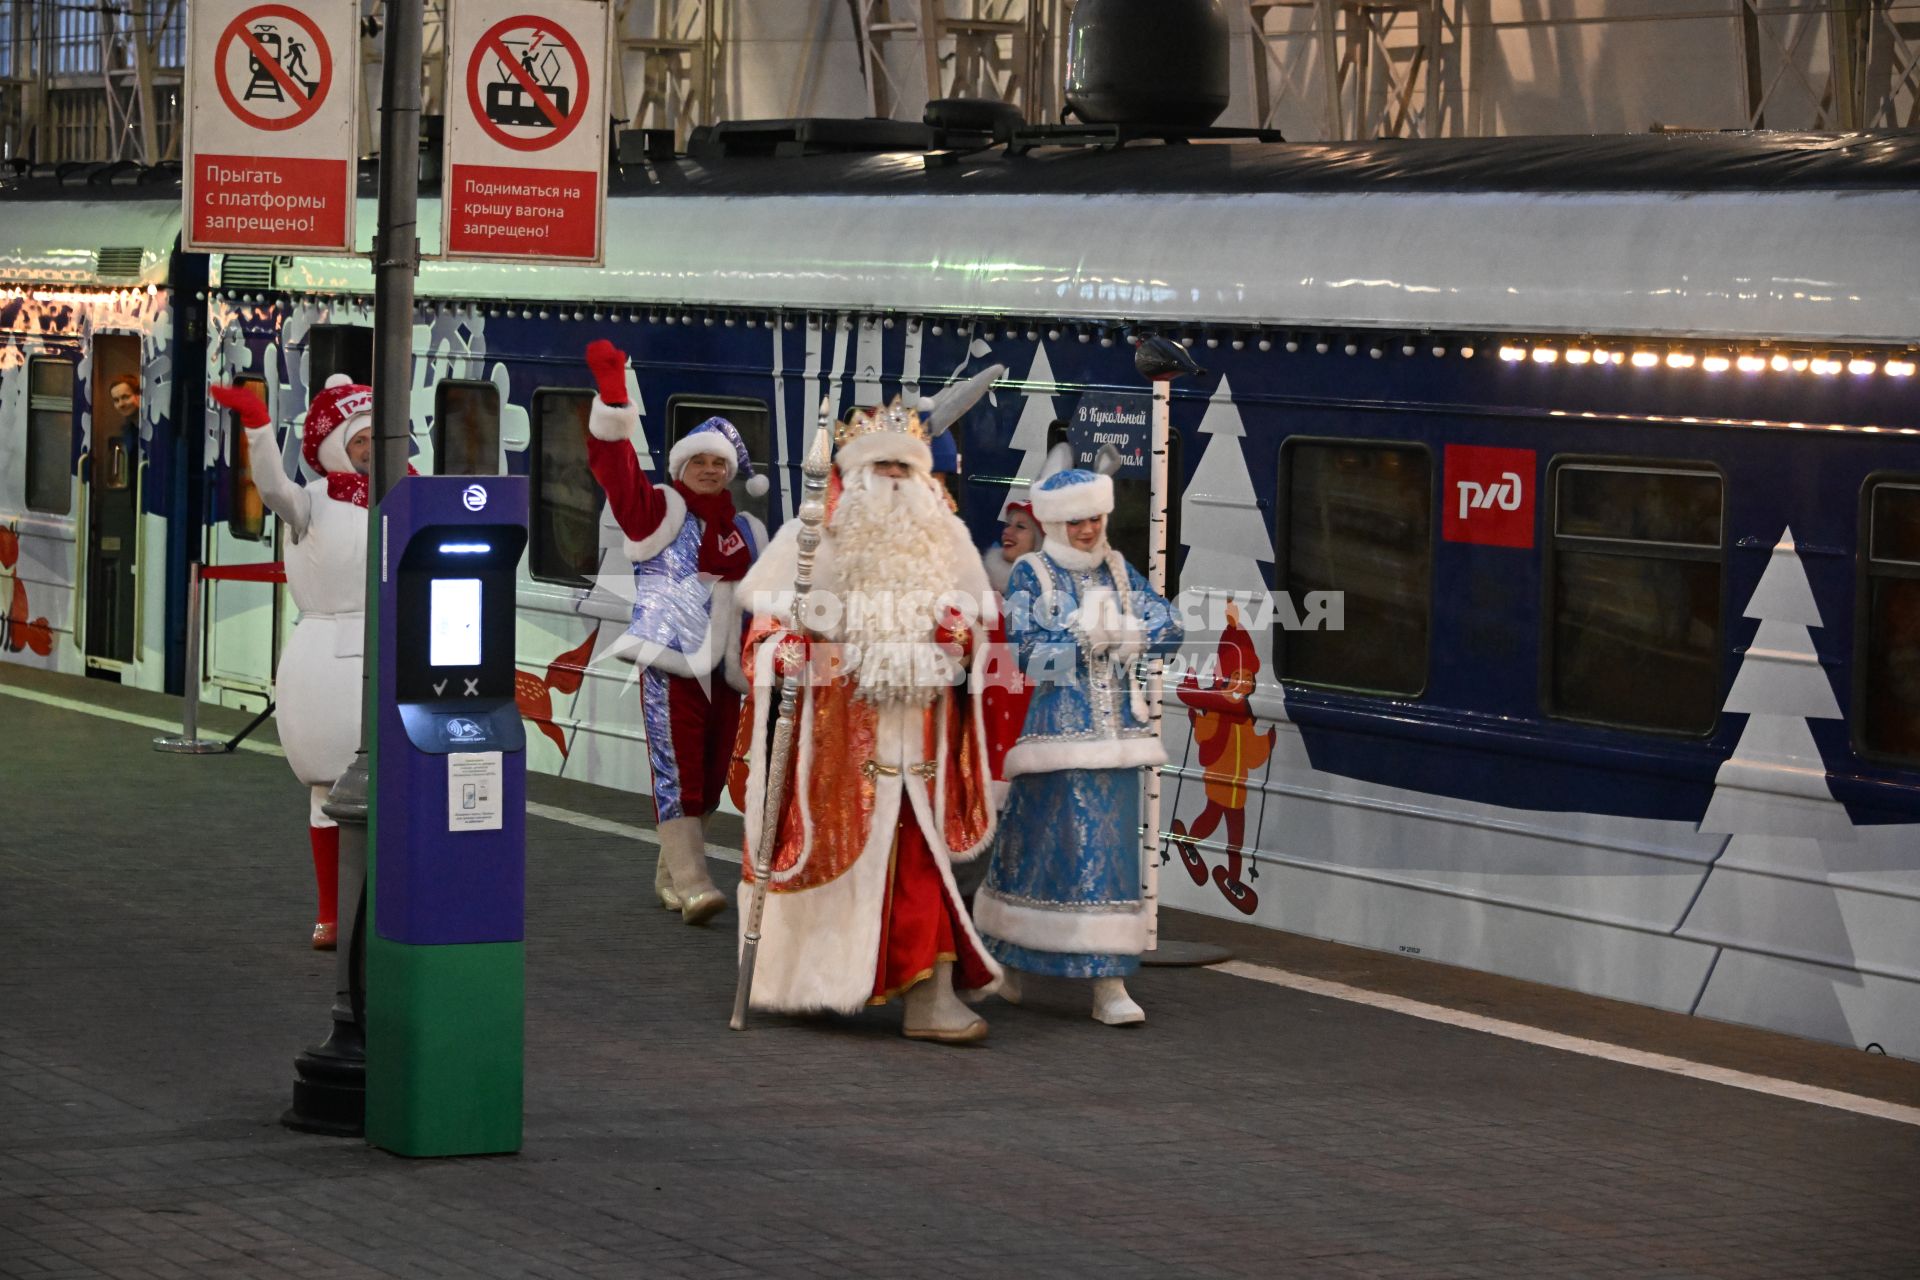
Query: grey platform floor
x,y
154,988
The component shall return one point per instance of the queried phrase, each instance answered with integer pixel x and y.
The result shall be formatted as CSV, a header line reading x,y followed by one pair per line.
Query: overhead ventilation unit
x,y
119,262
246,271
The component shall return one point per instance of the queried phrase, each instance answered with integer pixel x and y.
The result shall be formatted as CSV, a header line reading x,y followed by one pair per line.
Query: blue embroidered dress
x,y
1062,893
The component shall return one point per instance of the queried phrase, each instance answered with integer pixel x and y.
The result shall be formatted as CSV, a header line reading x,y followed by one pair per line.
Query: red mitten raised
x,y
609,366
243,402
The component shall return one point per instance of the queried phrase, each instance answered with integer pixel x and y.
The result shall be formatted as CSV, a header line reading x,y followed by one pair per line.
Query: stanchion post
x,y
188,742
1166,954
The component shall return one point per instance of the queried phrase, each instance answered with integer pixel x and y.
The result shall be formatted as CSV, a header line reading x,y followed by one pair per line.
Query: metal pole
x,y
330,1097
1157,579
189,743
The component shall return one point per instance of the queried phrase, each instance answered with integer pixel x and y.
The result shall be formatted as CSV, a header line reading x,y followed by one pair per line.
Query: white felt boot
x,y
683,847
1113,1006
663,882
935,1013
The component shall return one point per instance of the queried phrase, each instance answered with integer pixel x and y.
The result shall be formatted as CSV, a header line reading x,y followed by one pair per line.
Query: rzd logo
x,y
1492,492
1504,494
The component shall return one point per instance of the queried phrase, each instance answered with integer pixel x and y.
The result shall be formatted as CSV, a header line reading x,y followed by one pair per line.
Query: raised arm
x,y
277,490
636,502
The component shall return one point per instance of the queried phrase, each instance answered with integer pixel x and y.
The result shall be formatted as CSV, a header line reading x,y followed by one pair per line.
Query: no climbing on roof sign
x,y
271,115
526,130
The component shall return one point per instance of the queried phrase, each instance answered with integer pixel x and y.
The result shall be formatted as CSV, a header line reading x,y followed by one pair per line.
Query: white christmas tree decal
x,y
1030,434
1220,518
1775,783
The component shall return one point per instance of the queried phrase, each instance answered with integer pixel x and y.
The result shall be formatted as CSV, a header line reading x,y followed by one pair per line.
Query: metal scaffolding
x,y
91,81
1011,51
1374,60
1871,74
101,79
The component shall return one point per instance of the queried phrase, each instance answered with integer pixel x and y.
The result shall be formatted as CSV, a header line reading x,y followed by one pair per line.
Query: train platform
x,y
1305,1110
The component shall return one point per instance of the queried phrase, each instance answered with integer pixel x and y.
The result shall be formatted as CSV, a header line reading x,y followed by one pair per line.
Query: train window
x,y
50,435
246,514
466,428
565,534
1359,520
338,348
1128,526
1633,584
1887,698
684,413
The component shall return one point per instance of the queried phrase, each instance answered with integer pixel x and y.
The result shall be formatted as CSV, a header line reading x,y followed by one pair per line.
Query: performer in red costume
x,y
316,691
887,784
689,547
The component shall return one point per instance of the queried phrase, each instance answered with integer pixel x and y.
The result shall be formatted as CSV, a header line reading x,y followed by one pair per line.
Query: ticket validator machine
x,y
447,862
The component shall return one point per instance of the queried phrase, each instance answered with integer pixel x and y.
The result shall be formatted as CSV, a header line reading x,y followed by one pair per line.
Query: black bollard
x,y
330,1088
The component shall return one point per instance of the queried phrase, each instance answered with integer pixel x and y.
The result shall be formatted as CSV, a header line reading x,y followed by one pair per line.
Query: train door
x,y
243,616
112,479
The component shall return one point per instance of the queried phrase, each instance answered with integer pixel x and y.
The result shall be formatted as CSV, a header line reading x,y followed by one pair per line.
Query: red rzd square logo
x,y
1488,496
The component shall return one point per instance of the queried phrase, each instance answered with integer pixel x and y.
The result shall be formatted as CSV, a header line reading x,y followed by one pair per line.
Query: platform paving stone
x,y
154,987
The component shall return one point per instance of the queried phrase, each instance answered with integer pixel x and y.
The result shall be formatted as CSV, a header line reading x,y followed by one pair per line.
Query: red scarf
x,y
723,548
351,486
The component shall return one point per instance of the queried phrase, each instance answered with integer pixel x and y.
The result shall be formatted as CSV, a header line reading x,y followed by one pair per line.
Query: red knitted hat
x,y
335,408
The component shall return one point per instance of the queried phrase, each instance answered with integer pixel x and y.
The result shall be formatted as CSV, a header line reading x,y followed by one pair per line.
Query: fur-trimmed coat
x,y
856,772
1076,622
696,623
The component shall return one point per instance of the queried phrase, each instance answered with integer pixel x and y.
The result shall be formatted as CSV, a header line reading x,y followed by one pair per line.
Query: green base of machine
x,y
445,1033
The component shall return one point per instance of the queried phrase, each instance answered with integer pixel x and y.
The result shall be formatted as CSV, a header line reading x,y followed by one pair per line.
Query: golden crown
x,y
894,417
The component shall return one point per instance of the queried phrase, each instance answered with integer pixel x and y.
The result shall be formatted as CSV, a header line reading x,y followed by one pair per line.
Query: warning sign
x,y
271,115
526,141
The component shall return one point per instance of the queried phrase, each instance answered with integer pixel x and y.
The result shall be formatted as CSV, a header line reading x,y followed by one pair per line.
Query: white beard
x,y
890,554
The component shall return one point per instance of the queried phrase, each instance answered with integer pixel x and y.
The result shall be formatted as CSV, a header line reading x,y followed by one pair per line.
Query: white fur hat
x,y
716,438
1065,492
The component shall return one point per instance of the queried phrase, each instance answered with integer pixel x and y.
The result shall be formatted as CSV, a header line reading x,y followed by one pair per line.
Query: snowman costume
x,y
317,687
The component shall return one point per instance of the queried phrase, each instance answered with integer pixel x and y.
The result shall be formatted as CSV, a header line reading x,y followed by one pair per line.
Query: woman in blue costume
x,y
1062,893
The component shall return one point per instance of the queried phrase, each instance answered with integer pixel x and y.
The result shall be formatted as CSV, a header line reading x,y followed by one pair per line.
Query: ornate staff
x,y
813,514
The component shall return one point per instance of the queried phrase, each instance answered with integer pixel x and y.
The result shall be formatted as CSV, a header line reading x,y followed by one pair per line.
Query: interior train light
x,y
1898,368
1579,355
1716,362
1513,354
465,548
1750,363
1644,359
1800,362
1545,355
1860,366
1828,365
1680,360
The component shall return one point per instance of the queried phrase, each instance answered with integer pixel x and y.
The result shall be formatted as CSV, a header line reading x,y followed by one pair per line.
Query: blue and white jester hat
x,y
1065,492
717,438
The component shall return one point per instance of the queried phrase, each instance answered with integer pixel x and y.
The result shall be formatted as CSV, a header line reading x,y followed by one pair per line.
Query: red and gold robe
x,y
880,802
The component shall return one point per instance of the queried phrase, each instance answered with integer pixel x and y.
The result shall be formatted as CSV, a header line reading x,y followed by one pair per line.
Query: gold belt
x,y
874,769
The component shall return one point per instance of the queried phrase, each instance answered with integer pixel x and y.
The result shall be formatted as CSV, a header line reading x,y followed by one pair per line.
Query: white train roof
x,y
1717,236
1820,265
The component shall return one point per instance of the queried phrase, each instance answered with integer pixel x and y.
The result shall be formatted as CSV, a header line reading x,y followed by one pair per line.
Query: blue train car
x,y
1602,456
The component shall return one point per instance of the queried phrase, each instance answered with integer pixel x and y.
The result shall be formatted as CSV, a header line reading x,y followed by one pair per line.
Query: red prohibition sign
x,y
305,103
563,122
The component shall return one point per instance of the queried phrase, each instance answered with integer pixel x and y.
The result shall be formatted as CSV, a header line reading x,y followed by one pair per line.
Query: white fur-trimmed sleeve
x,y
612,422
